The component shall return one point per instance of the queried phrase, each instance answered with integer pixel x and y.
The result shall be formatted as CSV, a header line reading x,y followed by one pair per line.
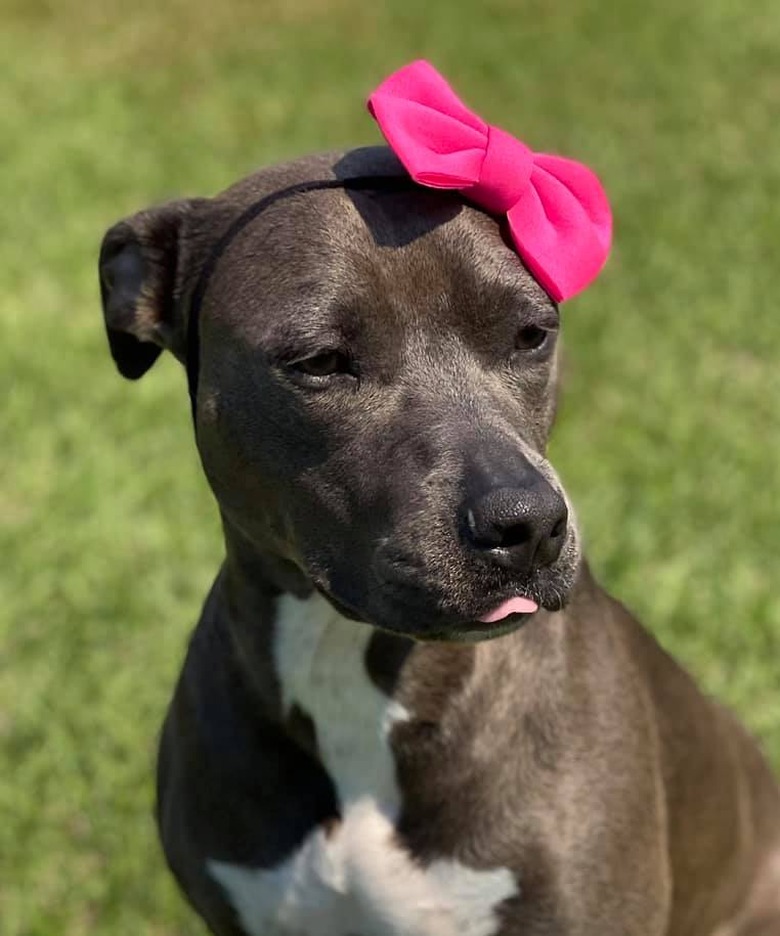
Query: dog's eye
x,y
531,338
323,365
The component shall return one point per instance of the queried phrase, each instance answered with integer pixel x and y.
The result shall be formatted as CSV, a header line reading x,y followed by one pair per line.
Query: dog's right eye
x,y
320,366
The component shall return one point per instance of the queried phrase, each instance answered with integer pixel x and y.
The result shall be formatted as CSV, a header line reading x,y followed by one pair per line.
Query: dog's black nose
x,y
522,528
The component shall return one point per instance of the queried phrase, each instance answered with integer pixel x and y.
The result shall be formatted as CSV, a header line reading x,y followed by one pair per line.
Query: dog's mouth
x,y
505,618
421,621
403,593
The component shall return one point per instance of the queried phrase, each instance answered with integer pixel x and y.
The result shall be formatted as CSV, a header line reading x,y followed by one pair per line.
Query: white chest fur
x,y
355,881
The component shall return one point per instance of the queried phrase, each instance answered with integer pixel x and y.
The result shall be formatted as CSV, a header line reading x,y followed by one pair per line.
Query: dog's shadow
x,y
393,222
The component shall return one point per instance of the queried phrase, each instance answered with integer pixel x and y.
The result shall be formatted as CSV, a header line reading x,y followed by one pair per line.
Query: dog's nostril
x,y
559,529
515,535
488,532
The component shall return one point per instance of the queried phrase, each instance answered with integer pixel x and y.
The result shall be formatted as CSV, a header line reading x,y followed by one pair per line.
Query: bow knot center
x,y
505,172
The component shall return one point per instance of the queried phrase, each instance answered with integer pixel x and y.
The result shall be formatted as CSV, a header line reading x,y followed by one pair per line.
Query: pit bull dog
x,y
408,709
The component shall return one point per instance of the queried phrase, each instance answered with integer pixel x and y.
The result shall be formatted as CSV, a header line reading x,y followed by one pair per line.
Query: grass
x,y
668,437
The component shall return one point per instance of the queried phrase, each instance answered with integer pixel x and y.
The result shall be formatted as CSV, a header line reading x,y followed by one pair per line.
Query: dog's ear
x,y
141,271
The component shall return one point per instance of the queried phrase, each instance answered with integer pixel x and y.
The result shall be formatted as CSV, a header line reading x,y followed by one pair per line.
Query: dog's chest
x,y
353,879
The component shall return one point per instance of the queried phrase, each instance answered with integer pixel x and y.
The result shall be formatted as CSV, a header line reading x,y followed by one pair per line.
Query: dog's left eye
x,y
532,338
323,365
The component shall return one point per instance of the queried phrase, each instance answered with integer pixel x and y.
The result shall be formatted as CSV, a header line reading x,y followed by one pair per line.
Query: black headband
x,y
379,183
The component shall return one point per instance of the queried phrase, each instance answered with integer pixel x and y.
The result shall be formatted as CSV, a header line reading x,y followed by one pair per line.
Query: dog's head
x,y
375,388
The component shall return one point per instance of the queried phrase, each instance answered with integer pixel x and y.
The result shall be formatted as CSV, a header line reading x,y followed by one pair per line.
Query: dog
x,y
408,709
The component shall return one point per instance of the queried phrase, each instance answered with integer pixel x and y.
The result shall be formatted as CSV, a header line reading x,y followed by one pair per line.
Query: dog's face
x,y
376,389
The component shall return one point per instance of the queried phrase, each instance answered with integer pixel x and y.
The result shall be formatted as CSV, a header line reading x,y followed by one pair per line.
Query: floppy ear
x,y
141,272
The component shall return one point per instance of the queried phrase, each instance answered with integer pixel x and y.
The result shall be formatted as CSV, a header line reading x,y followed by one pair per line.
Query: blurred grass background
x,y
669,431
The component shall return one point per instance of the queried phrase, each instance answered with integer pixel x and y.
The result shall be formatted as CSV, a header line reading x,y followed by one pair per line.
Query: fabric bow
x,y
558,214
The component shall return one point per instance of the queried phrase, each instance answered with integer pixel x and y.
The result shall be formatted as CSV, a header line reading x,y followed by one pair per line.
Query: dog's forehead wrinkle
x,y
436,292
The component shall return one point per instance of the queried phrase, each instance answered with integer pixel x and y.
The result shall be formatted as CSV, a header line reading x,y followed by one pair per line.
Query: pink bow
x,y
558,213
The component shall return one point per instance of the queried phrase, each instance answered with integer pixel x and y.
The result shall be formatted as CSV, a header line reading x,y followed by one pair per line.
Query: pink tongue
x,y
518,605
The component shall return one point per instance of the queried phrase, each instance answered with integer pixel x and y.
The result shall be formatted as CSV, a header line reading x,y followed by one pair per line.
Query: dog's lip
x,y
459,628
475,631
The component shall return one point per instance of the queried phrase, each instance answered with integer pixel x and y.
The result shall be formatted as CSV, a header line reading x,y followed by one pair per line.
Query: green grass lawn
x,y
669,435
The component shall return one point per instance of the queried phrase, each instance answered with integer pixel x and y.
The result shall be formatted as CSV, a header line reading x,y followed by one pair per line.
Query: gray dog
x,y
373,380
